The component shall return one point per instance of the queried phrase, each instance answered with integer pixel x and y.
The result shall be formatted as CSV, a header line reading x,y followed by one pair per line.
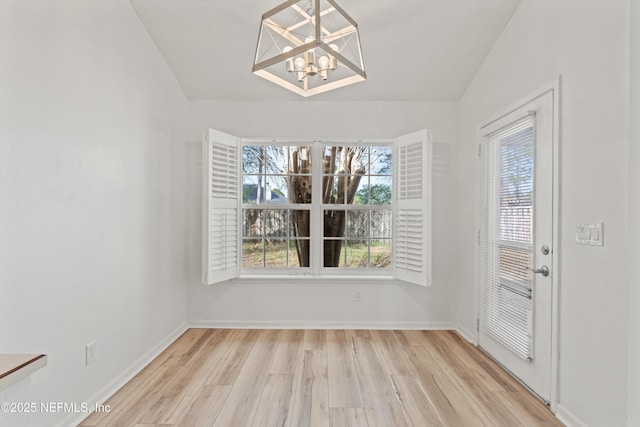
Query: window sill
x,y
315,280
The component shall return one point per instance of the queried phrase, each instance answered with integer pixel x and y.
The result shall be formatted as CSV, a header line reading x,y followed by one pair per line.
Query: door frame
x,y
555,89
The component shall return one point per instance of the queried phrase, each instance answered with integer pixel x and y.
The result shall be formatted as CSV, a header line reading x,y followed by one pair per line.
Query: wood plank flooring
x,y
337,378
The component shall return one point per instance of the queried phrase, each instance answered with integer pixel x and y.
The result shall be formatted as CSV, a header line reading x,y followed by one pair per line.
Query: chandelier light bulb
x,y
323,62
299,63
289,61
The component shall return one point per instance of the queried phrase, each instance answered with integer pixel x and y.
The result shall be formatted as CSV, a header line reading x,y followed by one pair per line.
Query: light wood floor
x,y
235,378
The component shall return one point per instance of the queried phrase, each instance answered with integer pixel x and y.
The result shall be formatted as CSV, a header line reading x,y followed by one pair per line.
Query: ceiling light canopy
x,y
309,47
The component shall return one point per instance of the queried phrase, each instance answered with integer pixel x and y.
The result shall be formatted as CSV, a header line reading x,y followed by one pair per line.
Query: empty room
x,y
319,213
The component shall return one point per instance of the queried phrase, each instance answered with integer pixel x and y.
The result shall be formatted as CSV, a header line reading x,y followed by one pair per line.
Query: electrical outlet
x,y
356,296
90,353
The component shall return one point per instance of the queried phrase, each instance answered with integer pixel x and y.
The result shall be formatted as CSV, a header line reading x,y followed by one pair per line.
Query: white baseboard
x,y
466,334
283,324
568,418
107,391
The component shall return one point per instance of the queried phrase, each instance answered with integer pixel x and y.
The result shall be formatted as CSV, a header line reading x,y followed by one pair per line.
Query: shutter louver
x,y
220,207
411,172
412,218
224,171
506,251
409,239
223,237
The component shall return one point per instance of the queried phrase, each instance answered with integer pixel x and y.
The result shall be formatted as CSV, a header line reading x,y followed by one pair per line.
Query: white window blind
x,y
412,224
506,236
220,207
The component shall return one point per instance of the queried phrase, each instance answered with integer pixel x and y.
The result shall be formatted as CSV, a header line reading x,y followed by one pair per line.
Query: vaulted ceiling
x,y
414,50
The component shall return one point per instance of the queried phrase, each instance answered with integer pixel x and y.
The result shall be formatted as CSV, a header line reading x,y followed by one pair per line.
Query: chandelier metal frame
x,y
328,56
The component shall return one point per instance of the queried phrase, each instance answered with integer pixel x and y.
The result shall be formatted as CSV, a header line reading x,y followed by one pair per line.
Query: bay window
x,y
316,208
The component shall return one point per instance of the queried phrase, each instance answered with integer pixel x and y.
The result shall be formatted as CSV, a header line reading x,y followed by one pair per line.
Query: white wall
x,y
633,397
92,176
587,42
278,303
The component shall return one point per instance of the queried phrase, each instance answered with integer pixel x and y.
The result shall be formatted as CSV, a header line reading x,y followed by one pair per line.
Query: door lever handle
x,y
544,270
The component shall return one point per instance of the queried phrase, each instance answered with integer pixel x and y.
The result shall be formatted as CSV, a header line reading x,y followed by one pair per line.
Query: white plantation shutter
x,y
506,251
412,214
221,186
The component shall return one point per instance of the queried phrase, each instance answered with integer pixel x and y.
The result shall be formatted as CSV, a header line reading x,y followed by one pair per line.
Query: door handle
x,y
544,270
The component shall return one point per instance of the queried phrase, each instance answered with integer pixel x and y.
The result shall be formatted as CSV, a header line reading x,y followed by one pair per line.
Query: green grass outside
x,y
275,255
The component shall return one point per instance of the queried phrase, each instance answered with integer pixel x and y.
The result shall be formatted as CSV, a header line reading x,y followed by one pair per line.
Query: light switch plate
x,y
90,353
590,234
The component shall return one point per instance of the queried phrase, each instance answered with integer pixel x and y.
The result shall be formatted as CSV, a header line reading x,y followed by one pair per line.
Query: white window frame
x,y
413,264
317,208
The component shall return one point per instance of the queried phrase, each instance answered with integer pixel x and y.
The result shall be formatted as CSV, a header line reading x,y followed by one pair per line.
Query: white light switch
x,y
590,234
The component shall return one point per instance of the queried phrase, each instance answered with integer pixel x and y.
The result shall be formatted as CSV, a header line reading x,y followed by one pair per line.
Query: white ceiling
x,y
414,50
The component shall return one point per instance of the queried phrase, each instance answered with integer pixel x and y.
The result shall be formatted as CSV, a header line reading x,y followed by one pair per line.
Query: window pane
x,y
334,223
516,186
357,254
299,180
252,253
380,190
264,160
263,223
275,253
381,253
329,162
275,223
273,232
357,160
252,223
346,160
300,223
381,223
300,189
300,162
333,253
299,253
381,163
276,189
361,183
252,161
358,224
249,188
330,189
276,174
345,168
269,188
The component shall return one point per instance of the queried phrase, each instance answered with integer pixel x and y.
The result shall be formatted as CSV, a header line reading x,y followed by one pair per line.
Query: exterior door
x,y
516,242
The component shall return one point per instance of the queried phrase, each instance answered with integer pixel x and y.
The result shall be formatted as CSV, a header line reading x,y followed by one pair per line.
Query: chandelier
x,y
309,47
